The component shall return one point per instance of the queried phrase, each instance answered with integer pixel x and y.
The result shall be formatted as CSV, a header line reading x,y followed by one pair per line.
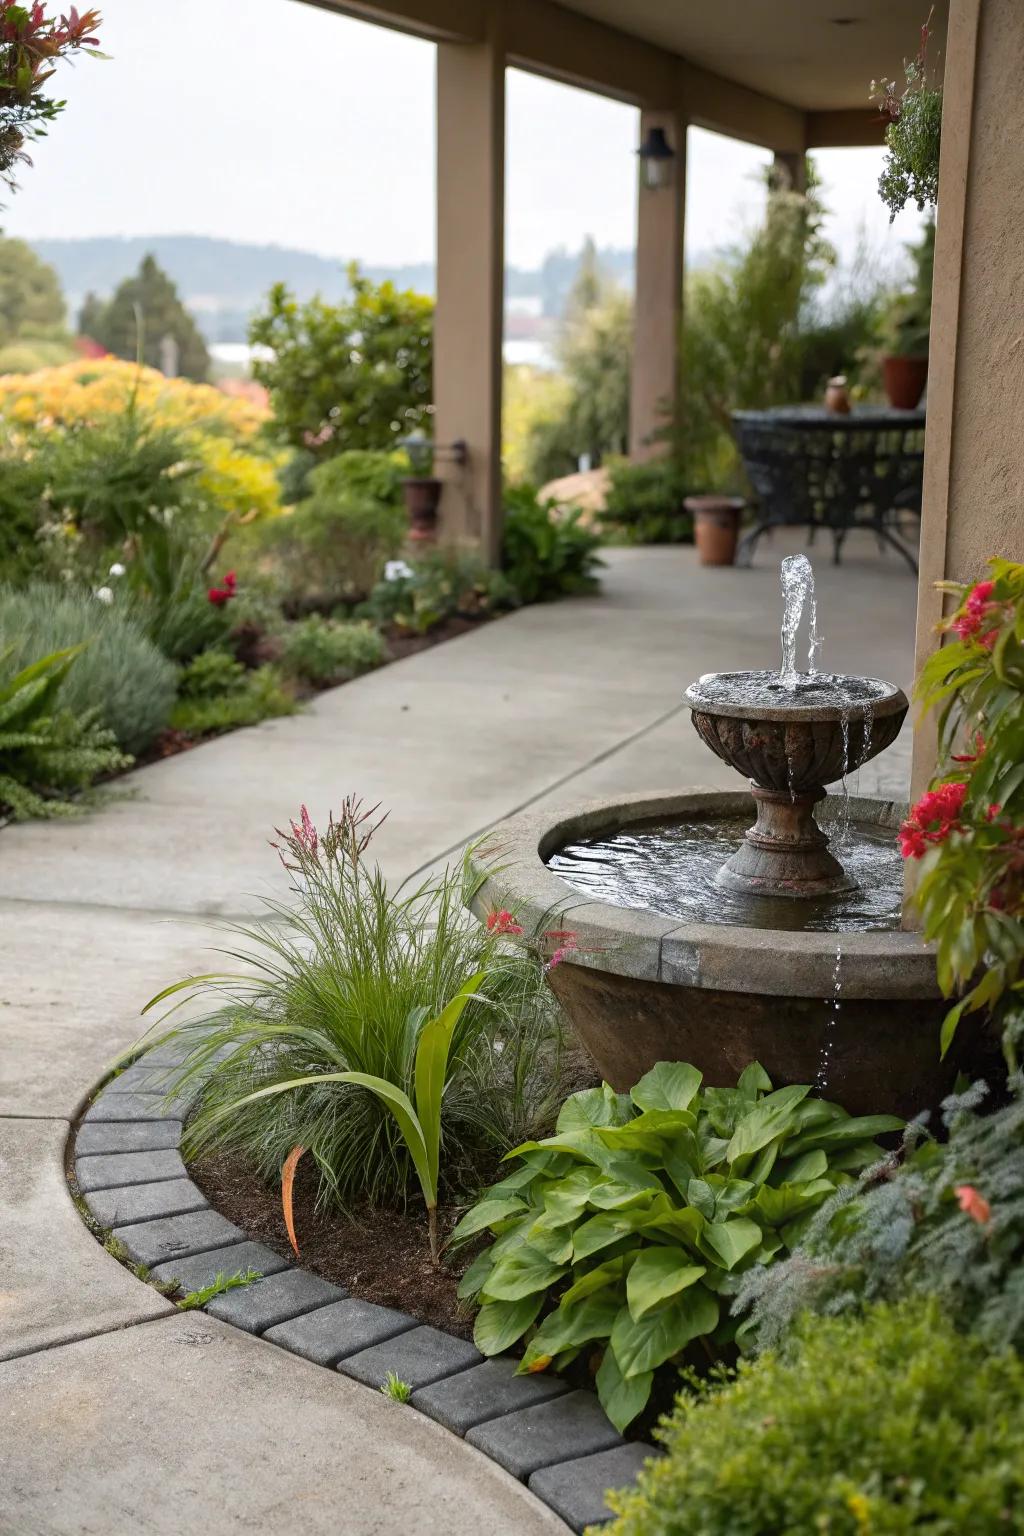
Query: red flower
x,y
218,596
993,811
912,841
503,922
989,639
932,819
980,594
967,624
973,1205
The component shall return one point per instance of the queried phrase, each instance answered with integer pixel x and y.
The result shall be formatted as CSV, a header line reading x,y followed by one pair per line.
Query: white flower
x,y
117,569
104,594
397,570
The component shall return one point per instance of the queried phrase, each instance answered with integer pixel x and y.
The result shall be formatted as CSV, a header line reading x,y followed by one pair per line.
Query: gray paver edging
x,y
132,1179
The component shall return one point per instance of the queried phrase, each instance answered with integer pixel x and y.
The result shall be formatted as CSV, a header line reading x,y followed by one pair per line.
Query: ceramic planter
x,y
904,379
422,496
716,527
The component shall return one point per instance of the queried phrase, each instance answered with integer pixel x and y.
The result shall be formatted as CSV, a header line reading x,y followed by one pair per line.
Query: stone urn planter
x,y
716,527
904,379
644,987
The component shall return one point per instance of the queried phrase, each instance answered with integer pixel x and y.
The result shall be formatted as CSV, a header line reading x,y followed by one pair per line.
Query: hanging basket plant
x,y
911,170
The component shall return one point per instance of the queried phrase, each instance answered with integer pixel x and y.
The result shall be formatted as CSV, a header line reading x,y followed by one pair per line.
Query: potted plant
x,y
911,170
904,331
422,491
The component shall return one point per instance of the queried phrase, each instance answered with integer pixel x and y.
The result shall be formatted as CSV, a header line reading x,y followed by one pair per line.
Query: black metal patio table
x,y
817,469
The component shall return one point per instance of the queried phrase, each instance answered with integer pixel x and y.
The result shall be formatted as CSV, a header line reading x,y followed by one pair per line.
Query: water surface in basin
x,y
827,691
670,867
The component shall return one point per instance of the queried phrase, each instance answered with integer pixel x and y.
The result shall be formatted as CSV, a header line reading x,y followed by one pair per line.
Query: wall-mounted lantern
x,y
657,159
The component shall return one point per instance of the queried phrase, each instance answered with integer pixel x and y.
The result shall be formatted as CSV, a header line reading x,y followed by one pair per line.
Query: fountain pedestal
x,y
785,851
791,739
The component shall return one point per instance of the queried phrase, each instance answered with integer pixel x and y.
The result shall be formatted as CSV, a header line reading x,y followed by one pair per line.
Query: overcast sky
x,y
275,122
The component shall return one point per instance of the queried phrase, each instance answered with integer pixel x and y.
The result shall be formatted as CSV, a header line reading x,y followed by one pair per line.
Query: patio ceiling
x,y
817,55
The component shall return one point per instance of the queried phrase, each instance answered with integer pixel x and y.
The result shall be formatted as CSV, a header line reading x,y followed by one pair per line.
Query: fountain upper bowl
x,y
816,696
795,740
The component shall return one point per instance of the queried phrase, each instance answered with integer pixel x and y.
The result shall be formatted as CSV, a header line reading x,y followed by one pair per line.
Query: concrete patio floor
x,y
122,1412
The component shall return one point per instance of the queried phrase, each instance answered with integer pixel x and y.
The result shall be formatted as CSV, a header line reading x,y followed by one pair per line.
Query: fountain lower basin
x,y
646,986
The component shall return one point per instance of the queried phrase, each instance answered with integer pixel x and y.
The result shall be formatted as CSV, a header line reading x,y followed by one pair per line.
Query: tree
x,y
90,316
593,354
31,44
31,301
146,309
350,375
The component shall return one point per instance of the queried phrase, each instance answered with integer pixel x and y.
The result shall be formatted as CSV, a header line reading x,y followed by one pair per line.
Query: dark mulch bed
x,y
381,1256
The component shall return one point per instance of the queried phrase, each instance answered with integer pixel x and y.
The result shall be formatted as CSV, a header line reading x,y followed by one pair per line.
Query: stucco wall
x,y
986,490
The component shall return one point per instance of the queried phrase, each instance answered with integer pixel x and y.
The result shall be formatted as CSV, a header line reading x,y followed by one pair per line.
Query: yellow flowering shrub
x,y
240,482
237,474
89,390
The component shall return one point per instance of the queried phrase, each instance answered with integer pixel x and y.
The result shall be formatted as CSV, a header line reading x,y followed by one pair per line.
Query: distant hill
x,y
223,281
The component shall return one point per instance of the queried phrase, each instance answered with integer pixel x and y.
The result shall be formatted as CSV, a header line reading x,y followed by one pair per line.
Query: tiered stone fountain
x,y
789,950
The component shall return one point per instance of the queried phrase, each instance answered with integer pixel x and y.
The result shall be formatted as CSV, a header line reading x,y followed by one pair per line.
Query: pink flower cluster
x,y
503,922
932,819
564,940
977,609
304,831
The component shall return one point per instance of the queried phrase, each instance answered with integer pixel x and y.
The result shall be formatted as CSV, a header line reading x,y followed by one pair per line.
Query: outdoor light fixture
x,y
656,157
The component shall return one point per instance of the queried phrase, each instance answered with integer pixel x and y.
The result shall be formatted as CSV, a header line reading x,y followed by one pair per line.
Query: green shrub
x,y
356,374
344,978
642,1211
443,584
644,504
546,552
254,696
211,675
947,1222
22,483
324,650
45,750
334,545
119,675
890,1425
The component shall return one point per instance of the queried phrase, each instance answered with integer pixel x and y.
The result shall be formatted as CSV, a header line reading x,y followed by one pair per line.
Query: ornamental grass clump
x,y
119,677
354,1000
626,1233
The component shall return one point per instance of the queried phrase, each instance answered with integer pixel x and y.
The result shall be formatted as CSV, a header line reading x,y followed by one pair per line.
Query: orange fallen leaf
x,y
291,1162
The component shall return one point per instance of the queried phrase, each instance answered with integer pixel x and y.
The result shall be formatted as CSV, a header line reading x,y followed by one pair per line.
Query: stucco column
x,y
470,263
793,165
654,391
973,504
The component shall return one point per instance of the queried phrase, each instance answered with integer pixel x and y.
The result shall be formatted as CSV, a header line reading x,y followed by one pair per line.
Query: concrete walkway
x,y
121,1413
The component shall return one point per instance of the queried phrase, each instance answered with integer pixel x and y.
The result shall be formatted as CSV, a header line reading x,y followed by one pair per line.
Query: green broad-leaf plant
x,y
967,832
627,1231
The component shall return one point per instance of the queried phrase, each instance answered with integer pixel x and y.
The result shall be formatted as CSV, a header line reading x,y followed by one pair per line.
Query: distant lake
x,y
237,356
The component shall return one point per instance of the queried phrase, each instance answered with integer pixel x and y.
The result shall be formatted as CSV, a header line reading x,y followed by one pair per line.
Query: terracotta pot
x,y
422,495
716,527
837,396
904,379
